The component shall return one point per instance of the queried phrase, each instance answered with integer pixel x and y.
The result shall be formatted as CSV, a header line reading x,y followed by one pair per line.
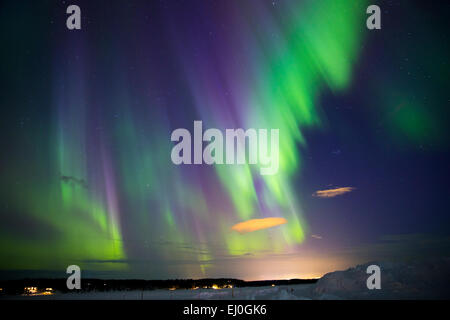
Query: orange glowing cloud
x,y
332,192
258,224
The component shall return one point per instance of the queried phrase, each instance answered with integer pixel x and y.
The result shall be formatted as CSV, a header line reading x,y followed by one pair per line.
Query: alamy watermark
x,y
74,280
262,149
374,280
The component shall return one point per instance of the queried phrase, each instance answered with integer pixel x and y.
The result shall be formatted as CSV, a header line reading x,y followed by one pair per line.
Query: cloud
x,y
330,193
315,236
258,224
74,181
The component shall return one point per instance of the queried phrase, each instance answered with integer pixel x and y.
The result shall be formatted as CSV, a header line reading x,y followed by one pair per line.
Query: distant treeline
x,y
18,286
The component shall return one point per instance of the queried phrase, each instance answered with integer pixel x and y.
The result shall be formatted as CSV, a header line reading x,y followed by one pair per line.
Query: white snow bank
x,y
428,280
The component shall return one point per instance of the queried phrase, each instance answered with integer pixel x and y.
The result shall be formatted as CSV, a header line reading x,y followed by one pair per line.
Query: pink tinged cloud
x,y
258,224
330,193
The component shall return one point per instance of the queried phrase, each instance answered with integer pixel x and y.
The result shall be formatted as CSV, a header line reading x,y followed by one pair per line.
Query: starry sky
x,y
87,115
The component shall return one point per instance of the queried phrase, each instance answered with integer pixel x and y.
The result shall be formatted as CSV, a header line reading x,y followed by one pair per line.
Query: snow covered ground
x,y
289,292
430,280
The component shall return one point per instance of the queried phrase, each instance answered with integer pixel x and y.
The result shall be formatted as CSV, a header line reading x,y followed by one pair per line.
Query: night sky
x,y
87,115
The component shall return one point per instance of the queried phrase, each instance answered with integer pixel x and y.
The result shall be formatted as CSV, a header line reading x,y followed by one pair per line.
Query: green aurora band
x,y
104,191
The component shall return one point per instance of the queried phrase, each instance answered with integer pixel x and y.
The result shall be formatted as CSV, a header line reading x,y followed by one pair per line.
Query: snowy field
x,y
429,280
289,292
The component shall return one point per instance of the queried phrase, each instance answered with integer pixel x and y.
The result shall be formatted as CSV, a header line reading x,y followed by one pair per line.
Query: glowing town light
x,y
30,290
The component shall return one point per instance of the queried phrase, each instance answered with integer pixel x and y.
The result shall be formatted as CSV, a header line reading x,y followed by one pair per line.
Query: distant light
x,y
31,290
215,286
273,285
35,292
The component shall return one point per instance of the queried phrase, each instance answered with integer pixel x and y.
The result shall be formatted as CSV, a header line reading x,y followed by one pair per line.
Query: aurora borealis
x,y
87,177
